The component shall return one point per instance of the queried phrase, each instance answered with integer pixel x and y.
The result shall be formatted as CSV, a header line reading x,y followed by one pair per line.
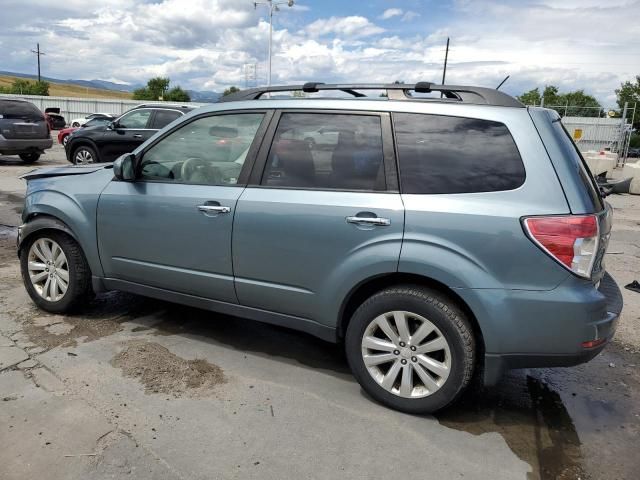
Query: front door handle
x,y
383,222
213,209
137,135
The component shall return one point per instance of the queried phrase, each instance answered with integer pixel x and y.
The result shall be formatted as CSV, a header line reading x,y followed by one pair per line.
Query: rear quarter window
x,y
442,154
20,110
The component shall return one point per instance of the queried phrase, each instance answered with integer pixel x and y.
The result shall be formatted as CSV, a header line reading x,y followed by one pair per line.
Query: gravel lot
x,y
138,388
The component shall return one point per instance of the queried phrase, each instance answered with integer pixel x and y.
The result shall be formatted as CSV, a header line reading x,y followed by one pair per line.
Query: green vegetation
x,y
630,92
21,86
158,89
230,90
580,104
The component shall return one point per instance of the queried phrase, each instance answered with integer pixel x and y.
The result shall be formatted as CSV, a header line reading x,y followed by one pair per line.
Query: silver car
x,y
436,238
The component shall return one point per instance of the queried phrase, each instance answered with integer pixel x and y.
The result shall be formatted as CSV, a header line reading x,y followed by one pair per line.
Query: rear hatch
x,y
578,182
22,120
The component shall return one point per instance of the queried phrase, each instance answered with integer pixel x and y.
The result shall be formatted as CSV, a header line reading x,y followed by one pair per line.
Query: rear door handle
x,y
213,209
137,135
383,222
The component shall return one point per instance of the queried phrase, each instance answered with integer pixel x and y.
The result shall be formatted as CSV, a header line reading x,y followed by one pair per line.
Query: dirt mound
x,y
160,371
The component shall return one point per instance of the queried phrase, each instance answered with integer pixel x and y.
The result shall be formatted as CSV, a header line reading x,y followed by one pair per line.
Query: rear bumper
x,y
593,319
12,146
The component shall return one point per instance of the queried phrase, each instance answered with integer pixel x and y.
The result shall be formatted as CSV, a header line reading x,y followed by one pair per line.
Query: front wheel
x,y
83,155
55,271
411,349
30,157
65,140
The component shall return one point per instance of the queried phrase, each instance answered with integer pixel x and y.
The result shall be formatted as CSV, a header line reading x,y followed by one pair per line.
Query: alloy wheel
x,y
83,156
406,354
48,269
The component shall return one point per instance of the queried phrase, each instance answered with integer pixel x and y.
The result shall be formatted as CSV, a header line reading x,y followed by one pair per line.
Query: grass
x,y
69,90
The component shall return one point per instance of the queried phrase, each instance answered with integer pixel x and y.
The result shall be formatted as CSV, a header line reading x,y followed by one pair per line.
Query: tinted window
x,y
164,118
326,151
207,151
97,121
135,119
571,151
440,154
19,110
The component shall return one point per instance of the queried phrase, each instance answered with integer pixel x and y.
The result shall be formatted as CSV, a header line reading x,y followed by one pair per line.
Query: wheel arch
x,y
36,222
370,286
74,143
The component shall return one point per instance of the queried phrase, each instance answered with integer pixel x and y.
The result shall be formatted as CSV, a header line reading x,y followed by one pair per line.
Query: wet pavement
x,y
142,388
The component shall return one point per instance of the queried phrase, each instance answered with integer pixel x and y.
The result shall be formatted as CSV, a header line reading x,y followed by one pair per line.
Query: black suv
x,y
105,143
23,130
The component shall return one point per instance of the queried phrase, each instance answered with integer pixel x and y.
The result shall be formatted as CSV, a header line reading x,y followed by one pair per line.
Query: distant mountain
x,y
196,96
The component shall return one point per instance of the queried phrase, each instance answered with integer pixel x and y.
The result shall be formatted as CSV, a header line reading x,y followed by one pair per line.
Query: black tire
x,y
441,312
65,140
85,151
30,157
75,124
79,289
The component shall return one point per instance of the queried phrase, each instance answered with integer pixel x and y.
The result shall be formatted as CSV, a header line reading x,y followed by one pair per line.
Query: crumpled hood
x,y
65,171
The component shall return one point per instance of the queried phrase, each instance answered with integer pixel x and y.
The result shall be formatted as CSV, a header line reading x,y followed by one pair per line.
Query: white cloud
x,y
410,15
391,12
353,26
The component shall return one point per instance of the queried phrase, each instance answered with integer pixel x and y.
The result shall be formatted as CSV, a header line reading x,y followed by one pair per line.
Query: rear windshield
x,y
19,110
571,151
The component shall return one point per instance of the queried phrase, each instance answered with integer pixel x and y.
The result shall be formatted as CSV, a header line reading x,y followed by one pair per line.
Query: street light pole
x,y
272,6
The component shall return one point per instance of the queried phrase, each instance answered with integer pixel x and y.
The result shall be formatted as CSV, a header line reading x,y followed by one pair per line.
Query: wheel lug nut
x,y
402,344
396,352
414,359
413,349
403,361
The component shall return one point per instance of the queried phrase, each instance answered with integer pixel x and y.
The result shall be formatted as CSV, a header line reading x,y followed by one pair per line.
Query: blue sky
x,y
205,44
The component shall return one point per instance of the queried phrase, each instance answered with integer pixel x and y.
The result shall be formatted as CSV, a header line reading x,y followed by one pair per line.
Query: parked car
x,y
634,152
64,134
80,121
23,130
437,239
105,143
54,119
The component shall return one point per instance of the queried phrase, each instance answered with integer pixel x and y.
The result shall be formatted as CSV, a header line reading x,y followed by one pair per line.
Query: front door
x,y
127,134
171,228
323,214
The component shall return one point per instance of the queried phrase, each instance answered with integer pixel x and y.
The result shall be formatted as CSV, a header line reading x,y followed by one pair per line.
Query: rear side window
x,y
571,151
164,117
134,119
441,154
326,151
20,110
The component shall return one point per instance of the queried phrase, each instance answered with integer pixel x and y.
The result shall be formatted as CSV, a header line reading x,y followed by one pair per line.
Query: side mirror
x,y
124,167
111,125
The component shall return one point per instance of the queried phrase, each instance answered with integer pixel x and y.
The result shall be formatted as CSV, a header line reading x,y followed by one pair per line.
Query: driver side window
x,y
207,151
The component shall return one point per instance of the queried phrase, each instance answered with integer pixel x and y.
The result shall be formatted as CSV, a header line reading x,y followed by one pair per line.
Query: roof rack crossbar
x,y
395,91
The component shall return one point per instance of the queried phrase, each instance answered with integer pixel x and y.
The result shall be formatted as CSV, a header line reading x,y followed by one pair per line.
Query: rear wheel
x,y
411,349
83,155
55,271
30,157
65,140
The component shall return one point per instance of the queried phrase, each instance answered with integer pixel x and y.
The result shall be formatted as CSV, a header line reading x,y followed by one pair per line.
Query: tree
x,y
177,94
576,103
26,87
230,90
630,92
158,89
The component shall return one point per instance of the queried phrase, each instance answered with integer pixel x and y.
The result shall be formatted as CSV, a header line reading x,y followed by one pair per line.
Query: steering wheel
x,y
197,170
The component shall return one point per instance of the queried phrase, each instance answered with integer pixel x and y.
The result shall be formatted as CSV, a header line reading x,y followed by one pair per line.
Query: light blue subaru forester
x,y
436,236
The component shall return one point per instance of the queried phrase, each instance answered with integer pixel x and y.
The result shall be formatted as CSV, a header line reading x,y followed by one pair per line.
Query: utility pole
x,y
38,53
273,7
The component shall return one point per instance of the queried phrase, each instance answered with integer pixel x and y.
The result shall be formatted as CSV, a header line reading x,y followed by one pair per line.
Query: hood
x,y
66,171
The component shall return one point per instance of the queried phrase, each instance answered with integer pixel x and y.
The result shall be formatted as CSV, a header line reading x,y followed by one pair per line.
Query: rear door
x,y
22,120
317,217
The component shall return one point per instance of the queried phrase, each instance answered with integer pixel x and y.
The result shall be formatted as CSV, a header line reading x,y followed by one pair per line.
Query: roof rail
x,y
395,91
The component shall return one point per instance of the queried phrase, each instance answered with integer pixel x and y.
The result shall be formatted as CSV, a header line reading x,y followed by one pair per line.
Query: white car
x,y
80,121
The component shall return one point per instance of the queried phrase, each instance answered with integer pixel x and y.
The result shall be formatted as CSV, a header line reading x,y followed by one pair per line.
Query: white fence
x,y
72,107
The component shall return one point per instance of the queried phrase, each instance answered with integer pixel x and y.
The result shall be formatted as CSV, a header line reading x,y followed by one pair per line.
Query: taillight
x,y
571,240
